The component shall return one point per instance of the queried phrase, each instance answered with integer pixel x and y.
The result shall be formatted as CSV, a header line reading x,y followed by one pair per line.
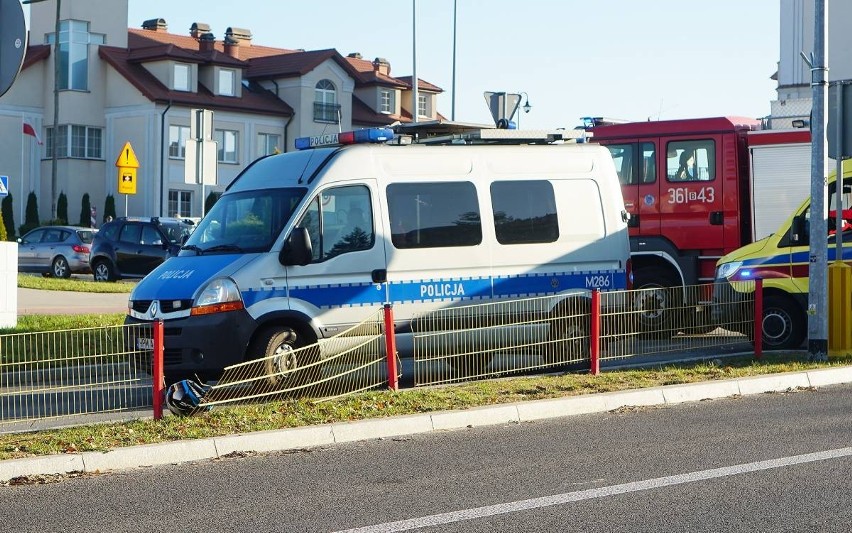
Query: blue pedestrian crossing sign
x,y
4,186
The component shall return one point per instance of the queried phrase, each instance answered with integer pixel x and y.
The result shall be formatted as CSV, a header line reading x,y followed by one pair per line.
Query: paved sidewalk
x,y
40,302
330,434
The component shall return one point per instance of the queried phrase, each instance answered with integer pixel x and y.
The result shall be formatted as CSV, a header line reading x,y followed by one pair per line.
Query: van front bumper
x,y
731,309
200,345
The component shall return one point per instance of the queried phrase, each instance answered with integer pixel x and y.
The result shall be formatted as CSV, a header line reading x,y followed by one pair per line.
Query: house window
x,y
326,108
180,203
226,82
73,53
386,103
85,142
227,142
268,143
177,141
181,77
422,108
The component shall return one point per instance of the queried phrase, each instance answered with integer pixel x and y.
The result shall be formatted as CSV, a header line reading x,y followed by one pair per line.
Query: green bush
x,y
109,208
86,212
8,210
211,200
31,220
62,208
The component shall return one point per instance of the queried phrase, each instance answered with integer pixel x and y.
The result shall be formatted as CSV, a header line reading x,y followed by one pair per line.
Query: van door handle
x,y
717,218
379,275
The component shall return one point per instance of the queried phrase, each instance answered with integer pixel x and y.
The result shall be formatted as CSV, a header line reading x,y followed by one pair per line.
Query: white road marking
x,y
601,492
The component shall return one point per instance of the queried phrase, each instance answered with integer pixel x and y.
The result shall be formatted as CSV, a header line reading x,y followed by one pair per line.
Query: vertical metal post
x,y
595,333
414,84
157,370
54,178
818,259
758,318
390,349
453,108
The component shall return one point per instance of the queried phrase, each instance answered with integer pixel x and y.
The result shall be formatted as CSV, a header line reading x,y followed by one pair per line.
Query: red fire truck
x,y
697,189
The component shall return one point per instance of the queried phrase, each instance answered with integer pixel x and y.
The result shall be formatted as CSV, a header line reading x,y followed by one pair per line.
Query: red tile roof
x,y
425,85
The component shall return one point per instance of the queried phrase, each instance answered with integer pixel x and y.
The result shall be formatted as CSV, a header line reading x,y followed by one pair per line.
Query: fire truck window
x,y
649,163
622,156
691,160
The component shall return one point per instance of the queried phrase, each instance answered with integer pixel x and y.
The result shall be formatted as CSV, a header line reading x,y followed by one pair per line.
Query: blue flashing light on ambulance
x,y
304,244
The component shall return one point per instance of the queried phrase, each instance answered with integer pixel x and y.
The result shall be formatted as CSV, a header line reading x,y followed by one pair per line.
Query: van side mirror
x,y
799,231
297,249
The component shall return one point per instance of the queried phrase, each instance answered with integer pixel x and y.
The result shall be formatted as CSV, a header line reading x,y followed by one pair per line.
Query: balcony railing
x,y
326,112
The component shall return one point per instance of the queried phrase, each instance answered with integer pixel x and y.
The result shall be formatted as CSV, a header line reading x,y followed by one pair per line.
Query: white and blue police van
x,y
305,244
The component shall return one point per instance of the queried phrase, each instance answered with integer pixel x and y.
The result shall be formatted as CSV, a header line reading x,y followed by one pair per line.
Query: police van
x,y
304,244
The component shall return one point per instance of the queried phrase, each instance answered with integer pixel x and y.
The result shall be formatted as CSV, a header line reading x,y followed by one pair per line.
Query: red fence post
x,y
157,371
595,333
758,318
390,348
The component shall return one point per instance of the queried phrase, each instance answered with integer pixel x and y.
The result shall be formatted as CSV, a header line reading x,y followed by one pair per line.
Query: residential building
x,y
140,85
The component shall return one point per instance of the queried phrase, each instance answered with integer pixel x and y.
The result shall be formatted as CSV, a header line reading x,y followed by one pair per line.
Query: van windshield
x,y
244,222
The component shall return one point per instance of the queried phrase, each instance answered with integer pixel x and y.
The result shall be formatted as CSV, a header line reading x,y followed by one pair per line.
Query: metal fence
x,y
97,370
71,372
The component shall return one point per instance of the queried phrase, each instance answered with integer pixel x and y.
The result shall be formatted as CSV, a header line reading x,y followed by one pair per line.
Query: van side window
x,y
691,160
432,215
524,212
340,220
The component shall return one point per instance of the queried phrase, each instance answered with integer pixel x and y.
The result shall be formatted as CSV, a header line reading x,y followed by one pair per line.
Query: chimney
x,y
382,66
155,25
355,55
206,42
198,29
241,36
232,47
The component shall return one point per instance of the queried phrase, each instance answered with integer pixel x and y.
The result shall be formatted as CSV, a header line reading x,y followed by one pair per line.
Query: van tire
x,y
653,303
783,325
568,338
276,346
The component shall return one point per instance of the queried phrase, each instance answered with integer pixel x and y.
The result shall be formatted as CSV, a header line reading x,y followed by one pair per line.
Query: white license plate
x,y
144,344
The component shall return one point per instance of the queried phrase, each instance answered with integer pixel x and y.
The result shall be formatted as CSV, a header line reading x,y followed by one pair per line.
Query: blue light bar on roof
x,y
370,135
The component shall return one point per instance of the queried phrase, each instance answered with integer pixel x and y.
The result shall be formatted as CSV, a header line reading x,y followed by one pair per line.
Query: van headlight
x,y
218,296
726,270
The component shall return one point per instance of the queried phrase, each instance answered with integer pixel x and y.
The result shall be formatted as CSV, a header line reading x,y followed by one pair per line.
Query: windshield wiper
x,y
223,248
192,248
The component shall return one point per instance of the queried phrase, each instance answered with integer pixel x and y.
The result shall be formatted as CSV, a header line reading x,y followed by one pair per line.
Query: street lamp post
x,y
53,170
526,107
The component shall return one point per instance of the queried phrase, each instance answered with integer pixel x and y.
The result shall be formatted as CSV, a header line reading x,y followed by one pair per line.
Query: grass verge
x,y
28,281
376,404
42,323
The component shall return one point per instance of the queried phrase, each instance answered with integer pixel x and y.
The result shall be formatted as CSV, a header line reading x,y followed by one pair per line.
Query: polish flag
x,y
29,130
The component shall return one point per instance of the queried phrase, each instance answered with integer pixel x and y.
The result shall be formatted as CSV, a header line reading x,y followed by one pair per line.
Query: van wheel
x,y
278,348
783,325
102,271
568,339
655,300
61,268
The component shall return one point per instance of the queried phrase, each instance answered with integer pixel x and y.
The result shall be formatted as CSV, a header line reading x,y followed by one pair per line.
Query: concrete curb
x,y
329,434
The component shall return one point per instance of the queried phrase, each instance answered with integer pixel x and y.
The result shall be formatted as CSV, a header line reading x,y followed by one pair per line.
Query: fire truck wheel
x,y
784,323
657,291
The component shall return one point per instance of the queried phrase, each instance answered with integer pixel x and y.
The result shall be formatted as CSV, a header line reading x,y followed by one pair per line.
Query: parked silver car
x,y
56,251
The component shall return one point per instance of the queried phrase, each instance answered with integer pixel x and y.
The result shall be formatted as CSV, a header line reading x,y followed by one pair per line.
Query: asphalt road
x,y
774,462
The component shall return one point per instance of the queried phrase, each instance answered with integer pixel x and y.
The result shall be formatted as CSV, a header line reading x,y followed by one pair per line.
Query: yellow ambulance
x,y
781,260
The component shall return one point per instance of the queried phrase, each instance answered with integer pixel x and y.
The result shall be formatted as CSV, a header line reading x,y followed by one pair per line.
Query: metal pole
x,y
455,11
53,176
838,183
414,96
818,282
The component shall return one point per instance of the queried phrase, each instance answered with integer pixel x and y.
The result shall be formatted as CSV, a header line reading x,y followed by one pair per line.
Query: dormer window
x,y
326,108
182,74
227,80
386,101
422,105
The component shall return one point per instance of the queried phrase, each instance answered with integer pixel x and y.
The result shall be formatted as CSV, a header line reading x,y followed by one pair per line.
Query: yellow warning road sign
x,y
127,158
126,180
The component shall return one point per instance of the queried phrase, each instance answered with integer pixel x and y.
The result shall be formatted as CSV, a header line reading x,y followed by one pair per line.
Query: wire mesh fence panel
x,y
72,372
349,362
499,338
695,317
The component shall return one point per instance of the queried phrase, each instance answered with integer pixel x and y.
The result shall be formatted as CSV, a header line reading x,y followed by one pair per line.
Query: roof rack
x,y
507,136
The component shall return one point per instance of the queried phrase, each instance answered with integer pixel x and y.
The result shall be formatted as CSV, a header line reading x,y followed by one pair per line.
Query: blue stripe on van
x,y
446,289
